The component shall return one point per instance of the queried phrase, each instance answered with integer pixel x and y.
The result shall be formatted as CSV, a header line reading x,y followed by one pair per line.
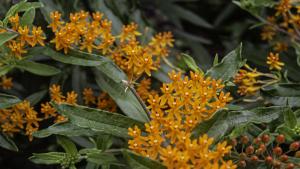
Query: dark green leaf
x,y
228,67
139,162
67,144
5,69
101,158
48,158
28,17
37,68
6,36
7,143
97,120
126,100
290,118
190,62
224,121
7,101
287,132
65,129
283,89
36,97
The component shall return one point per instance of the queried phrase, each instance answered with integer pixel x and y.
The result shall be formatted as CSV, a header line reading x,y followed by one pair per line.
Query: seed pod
x,y
242,164
269,160
283,158
265,138
290,166
280,139
250,150
244,139
277,151
295,146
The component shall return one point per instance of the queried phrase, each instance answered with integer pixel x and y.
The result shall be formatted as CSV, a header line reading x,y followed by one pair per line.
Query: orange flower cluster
x,y
94,34
103,101
183,104
26,36
286,20
144,89
6,82
57,96
20,117
274,62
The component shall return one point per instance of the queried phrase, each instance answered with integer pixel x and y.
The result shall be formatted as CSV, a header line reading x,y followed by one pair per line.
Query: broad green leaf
x,y
37,68
28,17
228,67
224,121
290,118
139,162
283,89
7,101
97,120
5,69
65,129
6,36
190,62
126,99
48,158
67,144
7,143
36,97
255,7
102,158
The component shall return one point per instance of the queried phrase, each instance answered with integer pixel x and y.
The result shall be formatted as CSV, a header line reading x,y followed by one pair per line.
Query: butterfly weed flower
x,y
88,96
94,34
274,62
182,104
6,82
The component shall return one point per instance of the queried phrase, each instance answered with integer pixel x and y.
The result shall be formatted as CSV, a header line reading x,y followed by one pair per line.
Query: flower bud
x,y
254,158
283,158
250,150
295,146
242,163
280,139
268,159
244,139
277,151
290,166
265,138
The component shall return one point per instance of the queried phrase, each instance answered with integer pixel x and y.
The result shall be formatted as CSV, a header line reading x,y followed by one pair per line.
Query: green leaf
x,y
28,17
37,68
290,118
7,36
7,143
255,7
65,129
283,89
228,67
216,60
224,121
190,62
297,50
287,132
126,99
102,158
5,69
139,162
67,144
189,16
36,97
97,120
20,7
48,158
7,101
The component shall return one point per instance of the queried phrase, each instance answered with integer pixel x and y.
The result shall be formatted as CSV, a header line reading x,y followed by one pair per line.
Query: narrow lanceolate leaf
x,y
37,68
297,50
7,101
126,99
224,121
7,143
65,129
139,162
28,17
36,97
190,62
97,120
67,145
6,36
228,67
102,158
283,89
5,69
48,158
290,118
